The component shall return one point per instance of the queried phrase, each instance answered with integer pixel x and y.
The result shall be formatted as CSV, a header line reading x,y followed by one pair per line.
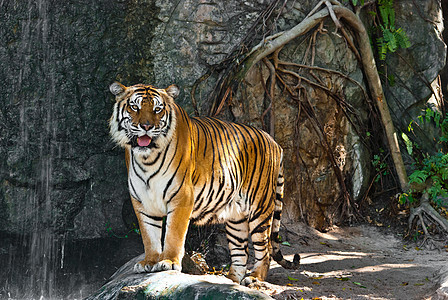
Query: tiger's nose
x,y
146,126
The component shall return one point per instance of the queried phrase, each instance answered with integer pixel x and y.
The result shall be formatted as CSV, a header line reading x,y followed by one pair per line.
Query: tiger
x,y
201,170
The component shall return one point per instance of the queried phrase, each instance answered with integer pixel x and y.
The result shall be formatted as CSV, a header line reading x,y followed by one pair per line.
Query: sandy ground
x,y
362,262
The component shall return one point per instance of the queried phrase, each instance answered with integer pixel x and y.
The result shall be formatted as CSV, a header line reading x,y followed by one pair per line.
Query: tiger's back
x,y
236,167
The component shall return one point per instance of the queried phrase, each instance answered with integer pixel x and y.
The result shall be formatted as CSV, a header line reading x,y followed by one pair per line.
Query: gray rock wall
x,y
58,169
416,69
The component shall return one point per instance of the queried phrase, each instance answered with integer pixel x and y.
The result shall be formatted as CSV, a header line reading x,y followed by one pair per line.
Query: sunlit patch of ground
x,y
360,262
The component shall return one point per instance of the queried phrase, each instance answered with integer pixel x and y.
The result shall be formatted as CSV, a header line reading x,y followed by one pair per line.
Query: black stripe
x,y
158,169
262,224
155,225
260,229
238,254
133,192
155,218
133,167
175,193
275,237
244,248
154,161
264,256
238,239
277,214
237,222
260,243
172,158
171,179
198,200
234,229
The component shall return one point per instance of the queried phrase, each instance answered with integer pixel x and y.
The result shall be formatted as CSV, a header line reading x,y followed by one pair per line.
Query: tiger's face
x,y
142,116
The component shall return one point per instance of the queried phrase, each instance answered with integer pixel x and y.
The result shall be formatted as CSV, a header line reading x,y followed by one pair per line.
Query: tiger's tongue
x,y
143,141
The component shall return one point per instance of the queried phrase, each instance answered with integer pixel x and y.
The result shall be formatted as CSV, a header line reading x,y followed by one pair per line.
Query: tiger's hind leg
x,y
237,232
260,230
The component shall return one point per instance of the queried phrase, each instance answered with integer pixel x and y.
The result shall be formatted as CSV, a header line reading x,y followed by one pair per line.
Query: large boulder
x,y
125,284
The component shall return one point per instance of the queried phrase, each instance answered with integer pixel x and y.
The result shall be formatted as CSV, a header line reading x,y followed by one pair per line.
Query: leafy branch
x,y
432,170
430,178
391,38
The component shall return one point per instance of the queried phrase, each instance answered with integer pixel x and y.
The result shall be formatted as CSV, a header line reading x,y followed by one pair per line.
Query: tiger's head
x,y
143,116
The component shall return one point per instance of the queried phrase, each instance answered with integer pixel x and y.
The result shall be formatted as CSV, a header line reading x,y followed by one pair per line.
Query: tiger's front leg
x,y
178,218
151,232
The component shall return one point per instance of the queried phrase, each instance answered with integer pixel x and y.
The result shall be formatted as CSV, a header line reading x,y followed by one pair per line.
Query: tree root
x,y
271,44
426,211
425,207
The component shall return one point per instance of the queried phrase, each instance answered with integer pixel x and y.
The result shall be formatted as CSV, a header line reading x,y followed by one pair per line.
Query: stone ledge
x,y
442,291
125,284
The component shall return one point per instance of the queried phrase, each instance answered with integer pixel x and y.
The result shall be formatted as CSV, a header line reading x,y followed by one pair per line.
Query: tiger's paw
x,y
142,267
236,273
255,283
166,265
249,280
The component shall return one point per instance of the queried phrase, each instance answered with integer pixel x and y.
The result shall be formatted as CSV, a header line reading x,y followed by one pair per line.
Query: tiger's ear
x,y
172,91
117,88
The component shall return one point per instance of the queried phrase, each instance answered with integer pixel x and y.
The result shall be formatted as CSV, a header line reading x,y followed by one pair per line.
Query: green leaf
x,y
429,113
408,143
391,79
418,176
286,243
292,279
343,278
359,284
402,198
402,39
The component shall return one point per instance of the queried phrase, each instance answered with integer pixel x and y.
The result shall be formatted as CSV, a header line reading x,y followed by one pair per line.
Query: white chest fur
x,y
147,185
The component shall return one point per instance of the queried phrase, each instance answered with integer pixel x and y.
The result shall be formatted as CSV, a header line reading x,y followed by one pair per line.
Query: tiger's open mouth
x,y
143,141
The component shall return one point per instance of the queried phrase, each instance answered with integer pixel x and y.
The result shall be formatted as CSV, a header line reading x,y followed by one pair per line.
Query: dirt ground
x,y
361,262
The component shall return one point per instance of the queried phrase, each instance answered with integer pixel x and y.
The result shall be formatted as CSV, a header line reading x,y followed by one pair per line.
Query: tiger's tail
x,y
275,238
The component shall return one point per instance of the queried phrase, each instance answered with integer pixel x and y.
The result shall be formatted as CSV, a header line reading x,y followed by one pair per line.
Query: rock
x,y
414,78
58,164
442,290
125,284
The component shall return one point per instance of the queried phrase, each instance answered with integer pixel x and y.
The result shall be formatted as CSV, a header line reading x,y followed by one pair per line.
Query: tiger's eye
x,y
134,107
157,109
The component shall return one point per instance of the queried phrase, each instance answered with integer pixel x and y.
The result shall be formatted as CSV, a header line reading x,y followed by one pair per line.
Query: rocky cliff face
x,y
58,165
61,172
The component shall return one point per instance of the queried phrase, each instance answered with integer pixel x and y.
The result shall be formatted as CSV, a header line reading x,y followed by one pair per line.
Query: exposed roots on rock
x,y
426,216
234,69
426,209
